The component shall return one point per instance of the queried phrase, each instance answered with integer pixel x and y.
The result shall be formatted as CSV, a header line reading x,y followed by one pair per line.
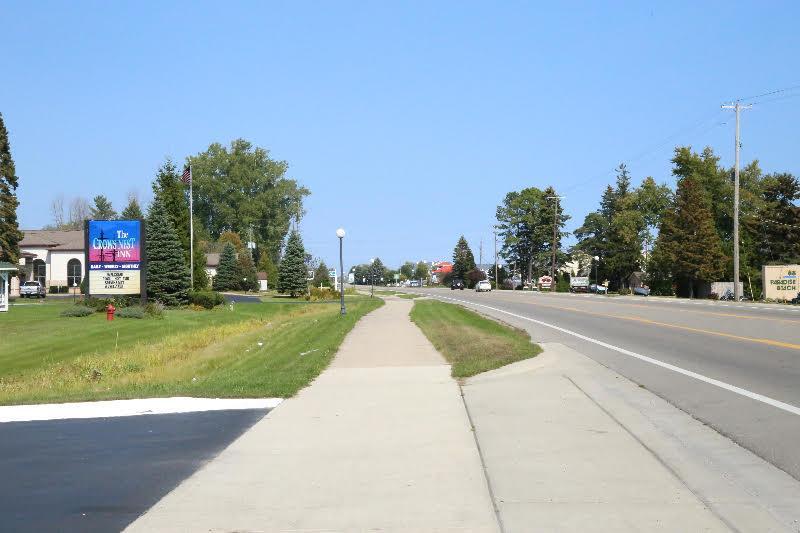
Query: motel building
x,y
53,258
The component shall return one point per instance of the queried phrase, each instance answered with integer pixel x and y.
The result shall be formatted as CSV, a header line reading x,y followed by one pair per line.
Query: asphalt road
x,y
754,348
100,474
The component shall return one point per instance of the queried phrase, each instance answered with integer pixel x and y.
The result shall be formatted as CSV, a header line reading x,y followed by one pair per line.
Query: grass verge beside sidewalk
x,y
471,343
255,350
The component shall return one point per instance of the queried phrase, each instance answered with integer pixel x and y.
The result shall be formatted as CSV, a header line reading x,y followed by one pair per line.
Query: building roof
x,y
4,266
262,276
52,239
212,260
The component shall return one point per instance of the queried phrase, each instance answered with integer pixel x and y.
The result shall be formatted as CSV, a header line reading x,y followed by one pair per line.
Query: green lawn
x,y
255,350
471,343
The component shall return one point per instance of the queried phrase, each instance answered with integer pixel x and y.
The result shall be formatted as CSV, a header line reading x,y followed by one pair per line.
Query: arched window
x,y
40,272
73,272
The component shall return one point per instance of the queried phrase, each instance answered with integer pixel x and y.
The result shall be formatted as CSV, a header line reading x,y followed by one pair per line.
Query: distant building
x,y
51,257
212,263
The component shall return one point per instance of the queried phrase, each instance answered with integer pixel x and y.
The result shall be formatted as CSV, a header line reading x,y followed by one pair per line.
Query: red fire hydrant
x,y
110,312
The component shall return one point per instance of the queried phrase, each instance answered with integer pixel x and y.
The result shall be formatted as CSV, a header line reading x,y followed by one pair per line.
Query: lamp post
x,y
340,234
74,288
372,277
596,279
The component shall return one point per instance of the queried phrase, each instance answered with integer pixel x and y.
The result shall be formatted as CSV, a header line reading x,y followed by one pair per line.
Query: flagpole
x,y
191,228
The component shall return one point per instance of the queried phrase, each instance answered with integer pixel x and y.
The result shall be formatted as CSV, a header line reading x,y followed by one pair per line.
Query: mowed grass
x,y
471,343
254,350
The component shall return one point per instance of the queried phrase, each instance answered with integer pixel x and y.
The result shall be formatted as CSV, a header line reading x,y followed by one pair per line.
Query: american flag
x,y
187,175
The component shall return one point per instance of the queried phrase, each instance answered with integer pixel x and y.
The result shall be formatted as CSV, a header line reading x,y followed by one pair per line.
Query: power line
x,y
776,91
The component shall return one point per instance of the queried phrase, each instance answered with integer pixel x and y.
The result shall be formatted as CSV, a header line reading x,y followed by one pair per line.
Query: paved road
x,y
100,474
753,347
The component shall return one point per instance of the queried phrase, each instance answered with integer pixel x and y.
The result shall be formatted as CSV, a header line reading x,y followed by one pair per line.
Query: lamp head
x,y
340,233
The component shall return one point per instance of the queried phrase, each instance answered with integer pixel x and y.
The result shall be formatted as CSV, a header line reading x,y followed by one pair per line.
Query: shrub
x,y
77,311
99,304
206,299
324,293
130,312
154,309
53,289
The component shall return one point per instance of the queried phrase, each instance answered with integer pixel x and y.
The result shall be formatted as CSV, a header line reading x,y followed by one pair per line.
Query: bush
x,y
53,289
100,304
154,309
77,311
206,299
324,293
130,312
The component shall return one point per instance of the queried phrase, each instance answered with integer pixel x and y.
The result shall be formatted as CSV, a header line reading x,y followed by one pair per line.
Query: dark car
x,y
457,284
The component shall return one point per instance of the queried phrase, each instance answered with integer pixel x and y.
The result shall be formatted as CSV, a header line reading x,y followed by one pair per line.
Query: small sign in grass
x,y
470,342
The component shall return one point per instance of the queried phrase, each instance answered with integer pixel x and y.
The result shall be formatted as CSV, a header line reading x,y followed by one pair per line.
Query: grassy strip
x,y
471,343
269,351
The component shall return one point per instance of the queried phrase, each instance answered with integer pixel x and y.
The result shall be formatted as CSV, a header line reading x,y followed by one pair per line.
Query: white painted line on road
x,y
114,408
711,381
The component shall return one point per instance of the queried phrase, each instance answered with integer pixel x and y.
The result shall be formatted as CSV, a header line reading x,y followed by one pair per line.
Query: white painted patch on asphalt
x,y
144,406
711,381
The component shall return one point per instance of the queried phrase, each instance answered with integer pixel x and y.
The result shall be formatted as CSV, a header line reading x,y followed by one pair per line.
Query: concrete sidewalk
x,y
379,442
570,445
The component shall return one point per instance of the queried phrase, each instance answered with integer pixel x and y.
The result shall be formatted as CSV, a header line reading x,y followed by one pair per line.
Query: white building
x,y
54,258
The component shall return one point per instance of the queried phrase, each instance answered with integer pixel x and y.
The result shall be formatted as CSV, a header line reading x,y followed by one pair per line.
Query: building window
x,y
73,272
40,271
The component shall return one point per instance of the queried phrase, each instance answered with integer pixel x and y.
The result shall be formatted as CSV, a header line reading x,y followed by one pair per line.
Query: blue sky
x,y
408,121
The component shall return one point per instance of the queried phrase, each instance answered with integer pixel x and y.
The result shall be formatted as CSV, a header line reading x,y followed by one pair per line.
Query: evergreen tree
x,y
10,235
132,211
173,193
321,277
227,278
102,209
246,269
379,272
292,271
463,259
688,240
167,271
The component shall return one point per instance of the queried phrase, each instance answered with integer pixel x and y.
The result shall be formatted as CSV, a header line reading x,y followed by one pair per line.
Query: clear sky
x,y
409,121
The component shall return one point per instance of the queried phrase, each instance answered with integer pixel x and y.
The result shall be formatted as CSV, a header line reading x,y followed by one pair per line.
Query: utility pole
x,y
555,237
737,107
480,253
495,261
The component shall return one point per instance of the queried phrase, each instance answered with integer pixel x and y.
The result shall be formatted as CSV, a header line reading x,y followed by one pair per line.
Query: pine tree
x,y
292,272
102,209
167,271
132,211
463,259
378,272
246,270
689,239
10,235
227,278
169,187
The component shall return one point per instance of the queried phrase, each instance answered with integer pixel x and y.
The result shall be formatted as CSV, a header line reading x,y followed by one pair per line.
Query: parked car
x,y
413,283
642,291
594,287
457,284
32,289
483,285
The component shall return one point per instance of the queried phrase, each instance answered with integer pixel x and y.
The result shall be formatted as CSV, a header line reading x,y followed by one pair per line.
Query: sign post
x,y
115,258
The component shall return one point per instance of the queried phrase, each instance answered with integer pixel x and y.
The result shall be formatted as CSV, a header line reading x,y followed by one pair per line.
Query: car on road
x,y
32,289
413,283
457,284
483,285
642,291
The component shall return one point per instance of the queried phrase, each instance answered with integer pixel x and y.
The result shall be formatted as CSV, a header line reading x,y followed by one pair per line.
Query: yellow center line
x,y
769,342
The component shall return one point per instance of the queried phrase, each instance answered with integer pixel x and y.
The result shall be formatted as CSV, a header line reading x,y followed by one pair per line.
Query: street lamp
x,y
596,279
340,234
372,277
74,289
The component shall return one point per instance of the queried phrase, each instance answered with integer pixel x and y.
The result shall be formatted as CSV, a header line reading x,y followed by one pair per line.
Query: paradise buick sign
x,y
781,282
114,255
